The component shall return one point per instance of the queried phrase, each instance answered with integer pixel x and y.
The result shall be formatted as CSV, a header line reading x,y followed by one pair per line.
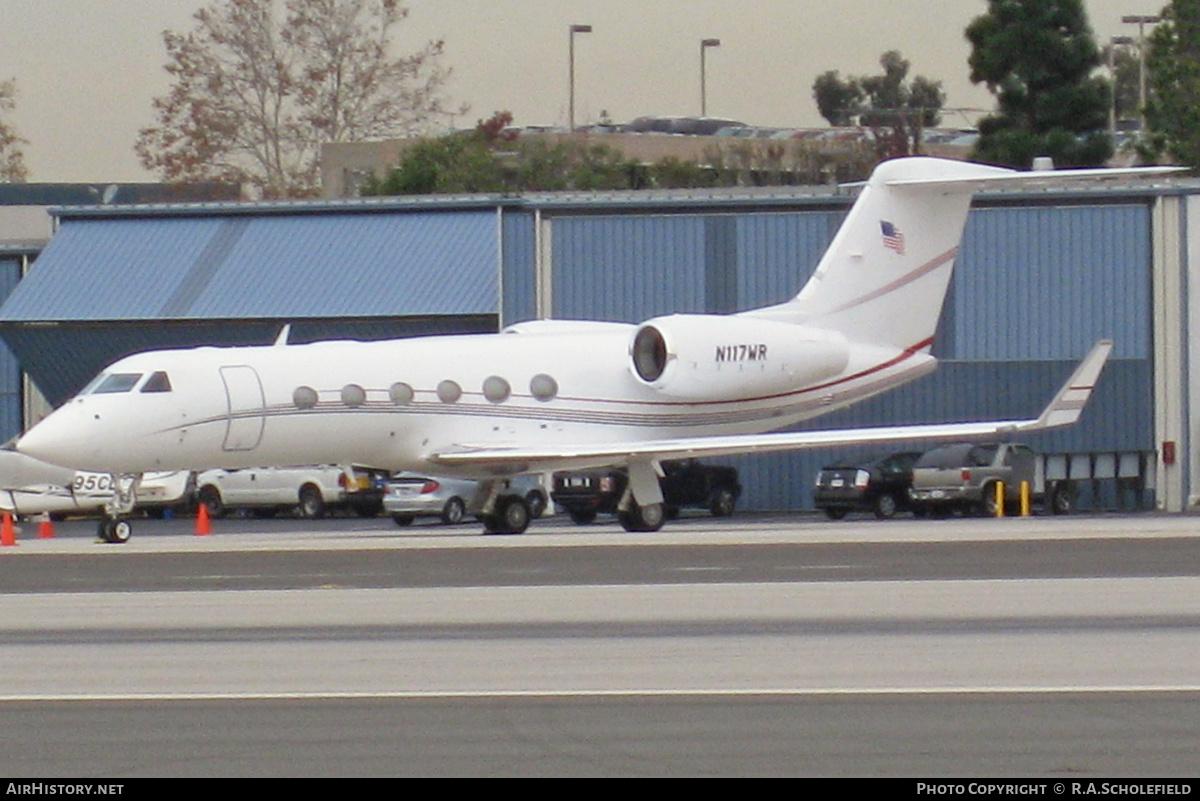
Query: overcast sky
x,y
87,70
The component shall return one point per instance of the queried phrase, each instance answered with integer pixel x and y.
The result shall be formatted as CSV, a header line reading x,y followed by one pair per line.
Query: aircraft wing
x,y
1064,409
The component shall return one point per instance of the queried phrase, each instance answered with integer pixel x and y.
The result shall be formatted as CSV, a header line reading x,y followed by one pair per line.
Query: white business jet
x,y
564,395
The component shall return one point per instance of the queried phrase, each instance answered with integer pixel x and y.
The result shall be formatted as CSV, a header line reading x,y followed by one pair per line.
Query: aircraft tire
x,y
511,516
116,531
643,518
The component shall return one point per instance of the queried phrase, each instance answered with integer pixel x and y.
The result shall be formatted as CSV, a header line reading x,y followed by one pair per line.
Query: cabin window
x,y
157,382
305,398
543,387
496,389
117,382
353,395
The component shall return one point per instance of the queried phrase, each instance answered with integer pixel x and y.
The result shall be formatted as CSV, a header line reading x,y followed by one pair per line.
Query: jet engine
x,y
694,357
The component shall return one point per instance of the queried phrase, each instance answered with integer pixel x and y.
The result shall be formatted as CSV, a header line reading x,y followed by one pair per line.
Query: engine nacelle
x,y
695,357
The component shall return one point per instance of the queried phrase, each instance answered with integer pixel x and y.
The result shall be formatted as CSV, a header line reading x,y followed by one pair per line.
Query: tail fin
x,y
884,277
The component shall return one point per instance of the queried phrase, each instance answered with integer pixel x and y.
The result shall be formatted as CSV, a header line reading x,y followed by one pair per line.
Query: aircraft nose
x,y
56,440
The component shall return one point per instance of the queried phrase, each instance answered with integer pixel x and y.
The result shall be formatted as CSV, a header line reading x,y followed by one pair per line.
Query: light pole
x,y
574,29
1113,44
1141,20
704,45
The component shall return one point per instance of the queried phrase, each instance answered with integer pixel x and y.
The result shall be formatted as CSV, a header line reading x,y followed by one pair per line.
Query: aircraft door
x,y
244,391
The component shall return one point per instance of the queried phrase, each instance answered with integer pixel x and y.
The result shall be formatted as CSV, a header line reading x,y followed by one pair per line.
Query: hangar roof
x,y
224,265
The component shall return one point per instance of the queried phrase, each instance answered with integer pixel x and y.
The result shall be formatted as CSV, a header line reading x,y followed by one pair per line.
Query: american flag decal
x,y
892,238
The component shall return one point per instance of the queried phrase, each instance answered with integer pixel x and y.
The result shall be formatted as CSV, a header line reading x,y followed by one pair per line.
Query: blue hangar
x,y
1040,278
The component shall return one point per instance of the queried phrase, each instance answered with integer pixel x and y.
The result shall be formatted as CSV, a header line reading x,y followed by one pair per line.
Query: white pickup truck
x,y
312,491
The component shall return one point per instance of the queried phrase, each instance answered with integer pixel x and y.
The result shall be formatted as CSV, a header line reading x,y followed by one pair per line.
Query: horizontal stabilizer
x,y
1064,409
1032,179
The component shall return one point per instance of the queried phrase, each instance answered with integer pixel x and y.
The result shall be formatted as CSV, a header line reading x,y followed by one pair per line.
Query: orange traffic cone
x,y
46,528
7,535
202,525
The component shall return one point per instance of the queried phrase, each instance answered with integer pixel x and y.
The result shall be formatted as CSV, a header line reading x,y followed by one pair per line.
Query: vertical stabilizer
x,y
884,277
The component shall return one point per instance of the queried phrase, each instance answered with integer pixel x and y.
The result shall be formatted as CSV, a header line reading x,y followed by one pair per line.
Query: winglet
x,y
1066,406
282,339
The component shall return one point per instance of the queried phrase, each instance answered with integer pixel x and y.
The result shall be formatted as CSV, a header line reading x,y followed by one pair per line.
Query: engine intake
x,y
707,357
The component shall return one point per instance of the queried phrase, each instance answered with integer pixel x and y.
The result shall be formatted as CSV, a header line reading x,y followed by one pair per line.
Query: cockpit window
x,y
117,382
157,382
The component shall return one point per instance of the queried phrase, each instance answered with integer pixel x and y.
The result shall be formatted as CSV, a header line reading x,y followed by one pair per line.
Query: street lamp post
x,y
574,29
704,45
1113,44
1141,20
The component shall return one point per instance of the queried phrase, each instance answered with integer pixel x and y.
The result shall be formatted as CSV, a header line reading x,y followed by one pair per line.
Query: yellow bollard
x,y
1026,500
999,499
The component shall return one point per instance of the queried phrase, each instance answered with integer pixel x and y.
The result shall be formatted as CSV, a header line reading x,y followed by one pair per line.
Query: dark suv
x,y
877,484
685,484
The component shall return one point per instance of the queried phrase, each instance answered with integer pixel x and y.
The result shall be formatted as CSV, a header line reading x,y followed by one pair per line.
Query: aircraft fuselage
x,y
394,404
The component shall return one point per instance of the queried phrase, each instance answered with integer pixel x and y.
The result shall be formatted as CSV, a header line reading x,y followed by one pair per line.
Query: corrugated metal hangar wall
x,y
1040,278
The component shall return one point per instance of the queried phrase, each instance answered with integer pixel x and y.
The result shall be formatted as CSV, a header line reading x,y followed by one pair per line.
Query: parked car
x,y
408,496
963,477
685,484
878,484
312,491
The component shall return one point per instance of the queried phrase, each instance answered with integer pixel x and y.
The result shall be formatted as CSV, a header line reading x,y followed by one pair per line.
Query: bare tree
x,y
259,85
12,158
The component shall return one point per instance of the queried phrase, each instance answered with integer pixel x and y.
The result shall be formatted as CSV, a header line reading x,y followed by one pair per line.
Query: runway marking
x,y
654,693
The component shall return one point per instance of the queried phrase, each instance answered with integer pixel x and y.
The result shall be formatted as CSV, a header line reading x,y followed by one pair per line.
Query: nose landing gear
x,y
115,527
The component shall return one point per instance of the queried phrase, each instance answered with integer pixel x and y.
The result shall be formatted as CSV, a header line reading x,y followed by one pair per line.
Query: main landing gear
x,y
642,518
641,506
500,511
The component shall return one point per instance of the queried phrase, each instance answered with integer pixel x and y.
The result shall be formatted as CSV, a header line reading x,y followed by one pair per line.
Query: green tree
x,y
12,158
896,112
839,101
1038,57
259,85
1173,105
486,159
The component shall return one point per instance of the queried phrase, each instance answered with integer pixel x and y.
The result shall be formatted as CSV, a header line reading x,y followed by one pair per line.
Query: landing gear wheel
x,y
643,518
453,511
511,516
835,513
402,520
116,531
